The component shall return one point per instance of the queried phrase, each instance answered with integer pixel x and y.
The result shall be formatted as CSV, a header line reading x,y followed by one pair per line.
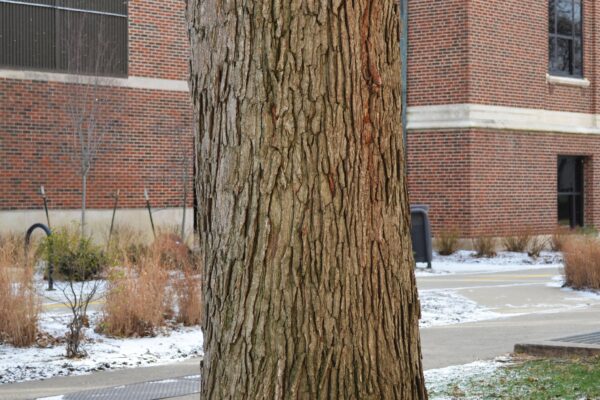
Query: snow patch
x,y
437,379
559,282
446,307
18,365
464,261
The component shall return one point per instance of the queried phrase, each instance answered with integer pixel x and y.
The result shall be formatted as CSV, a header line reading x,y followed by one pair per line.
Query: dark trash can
x,y
420,232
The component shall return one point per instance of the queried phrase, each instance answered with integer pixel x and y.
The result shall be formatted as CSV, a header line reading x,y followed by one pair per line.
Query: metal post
x,y
112,222
48,233
43,193
149,211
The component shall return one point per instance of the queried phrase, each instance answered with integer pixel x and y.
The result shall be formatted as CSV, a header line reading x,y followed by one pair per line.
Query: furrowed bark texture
x,y
303,215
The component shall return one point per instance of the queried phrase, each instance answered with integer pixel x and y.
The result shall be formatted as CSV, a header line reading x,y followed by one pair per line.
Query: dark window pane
x,y
578,210
46,38
566,174
562,56
577,58
552,53
552,16
27,36
564,210
92,43
577,18
565,17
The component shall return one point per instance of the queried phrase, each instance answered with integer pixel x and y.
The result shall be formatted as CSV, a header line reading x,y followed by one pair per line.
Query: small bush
x,y
485,246
537,244
19,304
518,243
138,301
582,262
73,257
447,243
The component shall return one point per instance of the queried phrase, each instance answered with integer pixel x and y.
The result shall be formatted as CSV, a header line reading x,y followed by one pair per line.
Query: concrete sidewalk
x,y
107,379
532,311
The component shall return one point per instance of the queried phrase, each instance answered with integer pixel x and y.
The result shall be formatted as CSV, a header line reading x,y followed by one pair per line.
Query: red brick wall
x,y
437,52
494,52
508,56
158,43
149,129
439,176
497,182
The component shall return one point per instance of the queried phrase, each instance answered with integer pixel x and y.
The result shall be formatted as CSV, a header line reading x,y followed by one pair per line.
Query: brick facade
x,y
150,128
485,180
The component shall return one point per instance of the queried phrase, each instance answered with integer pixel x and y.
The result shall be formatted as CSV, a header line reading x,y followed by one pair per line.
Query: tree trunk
x,y
83,202
309,289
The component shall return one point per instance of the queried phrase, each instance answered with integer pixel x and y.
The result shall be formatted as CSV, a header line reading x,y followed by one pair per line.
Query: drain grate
x,y
590,338
154,390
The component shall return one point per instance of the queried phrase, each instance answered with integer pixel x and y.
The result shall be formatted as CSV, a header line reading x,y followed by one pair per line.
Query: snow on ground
x,y
559,282
36,363
104,353
464,261
446,307
437,379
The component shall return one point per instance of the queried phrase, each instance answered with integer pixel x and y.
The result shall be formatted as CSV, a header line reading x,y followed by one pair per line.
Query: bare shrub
x,y
19,304
137,301
447,243
485,246
518,243
582,262
537,244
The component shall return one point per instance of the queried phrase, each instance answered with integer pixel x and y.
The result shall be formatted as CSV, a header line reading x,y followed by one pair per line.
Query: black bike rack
x,y
48,232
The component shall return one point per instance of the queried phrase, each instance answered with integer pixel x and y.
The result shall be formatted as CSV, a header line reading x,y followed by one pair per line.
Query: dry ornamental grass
x,y
518,243
582,262
485,246
143,295
447,243
19,304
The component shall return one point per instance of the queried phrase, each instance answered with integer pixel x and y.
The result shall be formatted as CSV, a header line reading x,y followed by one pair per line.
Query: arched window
x,y
565,39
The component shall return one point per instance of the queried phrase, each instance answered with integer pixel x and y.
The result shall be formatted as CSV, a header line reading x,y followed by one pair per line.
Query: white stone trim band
x,y
563,80
472,116
133,82
98,220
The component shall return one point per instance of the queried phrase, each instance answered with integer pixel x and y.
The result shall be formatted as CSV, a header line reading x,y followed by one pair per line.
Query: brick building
x,y
503,116
131,58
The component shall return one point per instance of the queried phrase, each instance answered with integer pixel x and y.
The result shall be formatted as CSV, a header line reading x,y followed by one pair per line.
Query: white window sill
x,y
563,80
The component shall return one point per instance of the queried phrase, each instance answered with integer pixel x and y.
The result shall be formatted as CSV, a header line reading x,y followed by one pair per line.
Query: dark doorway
x,y
570,191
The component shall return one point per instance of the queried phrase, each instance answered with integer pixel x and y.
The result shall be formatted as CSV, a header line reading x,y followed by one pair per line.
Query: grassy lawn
x,y
529,379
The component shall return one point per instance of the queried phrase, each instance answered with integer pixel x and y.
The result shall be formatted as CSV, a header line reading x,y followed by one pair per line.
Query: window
x,y
73,36
565,39
570,191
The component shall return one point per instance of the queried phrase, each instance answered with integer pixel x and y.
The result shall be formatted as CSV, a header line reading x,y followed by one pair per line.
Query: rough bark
x,y
309,291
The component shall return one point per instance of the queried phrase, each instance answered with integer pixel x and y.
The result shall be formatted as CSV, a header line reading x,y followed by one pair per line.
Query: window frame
x,y
554,36
124,73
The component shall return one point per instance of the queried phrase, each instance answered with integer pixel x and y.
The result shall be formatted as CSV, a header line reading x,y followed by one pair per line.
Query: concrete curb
x,y
557,349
